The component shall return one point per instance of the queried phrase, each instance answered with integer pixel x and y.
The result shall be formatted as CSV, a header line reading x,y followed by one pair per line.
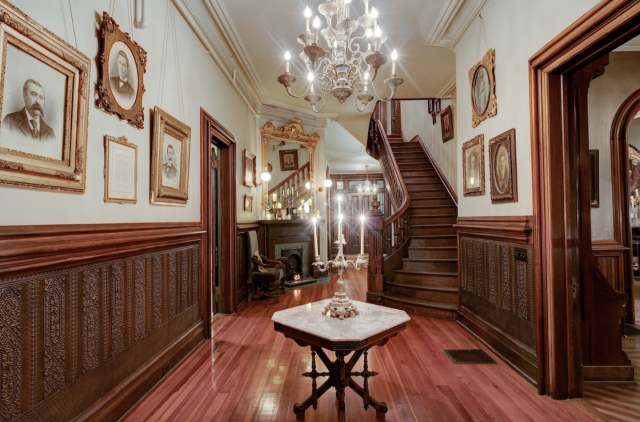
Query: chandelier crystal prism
x,y
350,64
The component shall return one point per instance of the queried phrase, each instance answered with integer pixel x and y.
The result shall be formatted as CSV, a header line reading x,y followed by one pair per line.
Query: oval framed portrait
x,y
123,75
480,90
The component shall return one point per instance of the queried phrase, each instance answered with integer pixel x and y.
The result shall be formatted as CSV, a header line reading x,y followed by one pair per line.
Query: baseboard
x,y
517,356
607,373
128,393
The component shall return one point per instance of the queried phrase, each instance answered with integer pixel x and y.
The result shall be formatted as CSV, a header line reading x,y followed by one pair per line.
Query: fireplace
x,y
294,263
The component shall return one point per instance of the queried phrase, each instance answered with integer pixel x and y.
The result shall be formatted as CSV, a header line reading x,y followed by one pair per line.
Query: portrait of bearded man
x,y
30,120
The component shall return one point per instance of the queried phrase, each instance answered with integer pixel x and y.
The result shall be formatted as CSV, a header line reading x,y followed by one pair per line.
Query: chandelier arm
x,y
360,110
393,93
324,97
298,96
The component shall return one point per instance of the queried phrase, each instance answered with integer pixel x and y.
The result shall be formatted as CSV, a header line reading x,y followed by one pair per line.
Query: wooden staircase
x,y
427,284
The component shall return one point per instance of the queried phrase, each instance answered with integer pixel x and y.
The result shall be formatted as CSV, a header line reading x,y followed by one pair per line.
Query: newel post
x,y
375,279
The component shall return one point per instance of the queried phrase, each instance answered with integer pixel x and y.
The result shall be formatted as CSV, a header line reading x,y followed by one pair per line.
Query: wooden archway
x,y
291,132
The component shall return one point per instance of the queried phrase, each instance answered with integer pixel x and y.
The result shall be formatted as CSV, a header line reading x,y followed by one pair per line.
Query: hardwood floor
x,y
251,373
621,403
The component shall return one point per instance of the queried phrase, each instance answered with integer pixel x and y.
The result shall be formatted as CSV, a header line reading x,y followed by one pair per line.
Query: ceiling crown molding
x,y
449,90
284,113
455,20
225,65
225,23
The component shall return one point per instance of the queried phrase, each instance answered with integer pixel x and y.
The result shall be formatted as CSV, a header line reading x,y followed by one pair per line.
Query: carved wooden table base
x,y
340,376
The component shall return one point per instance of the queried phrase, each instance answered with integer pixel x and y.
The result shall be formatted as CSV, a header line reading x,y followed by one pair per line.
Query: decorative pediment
x,y
292,132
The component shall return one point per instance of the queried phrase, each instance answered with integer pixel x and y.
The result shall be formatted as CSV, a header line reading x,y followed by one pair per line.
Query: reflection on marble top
x,y
373,319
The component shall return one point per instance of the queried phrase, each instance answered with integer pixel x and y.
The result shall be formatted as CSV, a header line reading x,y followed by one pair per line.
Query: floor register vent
x,y
469,357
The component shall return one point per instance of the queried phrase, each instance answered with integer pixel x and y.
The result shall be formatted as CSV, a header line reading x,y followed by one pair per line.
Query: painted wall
x,y
516,30
345,153
606,95
203,85
416,120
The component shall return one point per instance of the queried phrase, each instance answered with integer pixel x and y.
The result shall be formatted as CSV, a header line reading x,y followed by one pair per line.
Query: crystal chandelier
x,y
345,68
368,188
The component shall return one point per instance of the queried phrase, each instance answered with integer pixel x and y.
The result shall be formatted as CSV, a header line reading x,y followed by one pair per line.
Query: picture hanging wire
x,y
73,25
171,19
481,31
129,15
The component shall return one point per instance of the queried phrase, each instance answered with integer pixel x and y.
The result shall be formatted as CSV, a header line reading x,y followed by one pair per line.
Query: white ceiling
x,y
264,30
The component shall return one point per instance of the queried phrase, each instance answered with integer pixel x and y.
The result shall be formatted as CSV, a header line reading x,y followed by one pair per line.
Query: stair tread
x,y
427,273
432,216
429,260
433,236
435,248
434,287
451,306
431,225
431,206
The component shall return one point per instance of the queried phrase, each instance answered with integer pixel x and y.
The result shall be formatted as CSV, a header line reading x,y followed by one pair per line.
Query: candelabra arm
x,y
297,96
324,98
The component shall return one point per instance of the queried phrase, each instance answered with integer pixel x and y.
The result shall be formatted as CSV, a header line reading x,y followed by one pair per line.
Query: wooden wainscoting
x,y
612,261
497,300
93,316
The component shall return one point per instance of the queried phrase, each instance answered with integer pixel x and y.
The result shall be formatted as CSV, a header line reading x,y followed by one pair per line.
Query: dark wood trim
x,y
609,373
123,399
602,29
506,228
445,182
212,131
31,249
519,357
608,245
247,226
352,176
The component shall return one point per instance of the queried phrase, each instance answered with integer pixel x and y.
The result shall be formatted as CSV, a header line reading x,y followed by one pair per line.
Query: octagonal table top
x,y
373,319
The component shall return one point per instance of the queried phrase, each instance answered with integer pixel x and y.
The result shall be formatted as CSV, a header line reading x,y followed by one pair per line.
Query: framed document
x,y
120,170
44,106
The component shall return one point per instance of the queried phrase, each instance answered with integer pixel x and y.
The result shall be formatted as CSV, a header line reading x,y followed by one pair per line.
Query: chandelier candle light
x,y
344,68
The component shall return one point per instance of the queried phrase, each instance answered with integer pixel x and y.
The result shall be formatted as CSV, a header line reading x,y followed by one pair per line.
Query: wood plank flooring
x,y
251,373
621,403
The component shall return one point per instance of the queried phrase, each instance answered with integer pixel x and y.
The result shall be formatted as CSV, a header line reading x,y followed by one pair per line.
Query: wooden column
x,y
375,279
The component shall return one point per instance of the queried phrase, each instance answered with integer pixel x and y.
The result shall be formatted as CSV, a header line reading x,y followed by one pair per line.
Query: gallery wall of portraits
x,y
74,160
474,113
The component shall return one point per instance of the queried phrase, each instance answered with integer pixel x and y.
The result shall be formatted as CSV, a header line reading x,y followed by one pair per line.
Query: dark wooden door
x,y
214,233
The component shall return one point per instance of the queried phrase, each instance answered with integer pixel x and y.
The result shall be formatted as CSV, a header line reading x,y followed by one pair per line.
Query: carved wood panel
x,y
243,273
612,265
508,303
68,337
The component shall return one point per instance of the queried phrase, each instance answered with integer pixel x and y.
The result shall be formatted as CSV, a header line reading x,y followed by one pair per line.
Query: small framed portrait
x,y
249,169
170,150
483,89
502,165
594,178
473,166
120,170
44,107
248,203
121,78
288,159
446,124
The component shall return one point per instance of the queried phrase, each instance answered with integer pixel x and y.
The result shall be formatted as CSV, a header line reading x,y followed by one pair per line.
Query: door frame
x,y
224,140
605,27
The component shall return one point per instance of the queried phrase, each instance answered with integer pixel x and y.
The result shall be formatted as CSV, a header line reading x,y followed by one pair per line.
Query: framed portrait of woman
x,y
473,166
502,165
483,89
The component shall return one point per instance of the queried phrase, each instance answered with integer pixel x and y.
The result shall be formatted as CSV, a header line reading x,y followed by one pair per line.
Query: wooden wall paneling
x,y
612,262
603,28
497,301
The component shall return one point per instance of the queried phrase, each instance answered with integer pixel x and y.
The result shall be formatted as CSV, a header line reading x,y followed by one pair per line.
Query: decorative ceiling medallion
x,y
483,89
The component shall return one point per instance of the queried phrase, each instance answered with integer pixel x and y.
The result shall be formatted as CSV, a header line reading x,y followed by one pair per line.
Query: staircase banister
x,y
279,185
373,150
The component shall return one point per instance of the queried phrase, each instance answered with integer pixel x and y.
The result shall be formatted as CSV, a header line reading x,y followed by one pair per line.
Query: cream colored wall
x,y
203,85
606,94
516,30
416,120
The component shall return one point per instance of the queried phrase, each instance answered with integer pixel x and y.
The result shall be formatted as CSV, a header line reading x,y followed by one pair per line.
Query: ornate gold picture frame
x,y
249,175
44,105
123,64
446,124
473,167
483,89
503,168
170,149
120,170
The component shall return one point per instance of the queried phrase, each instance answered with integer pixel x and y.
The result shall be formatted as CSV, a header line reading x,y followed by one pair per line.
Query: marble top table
x,y
307,326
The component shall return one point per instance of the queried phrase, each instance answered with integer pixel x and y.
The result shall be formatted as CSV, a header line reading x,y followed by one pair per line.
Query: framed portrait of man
x,y
121,79
248,203
473,166
483,89
120,170
44,107
249,178
502,165
170,151
288,159
446,124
